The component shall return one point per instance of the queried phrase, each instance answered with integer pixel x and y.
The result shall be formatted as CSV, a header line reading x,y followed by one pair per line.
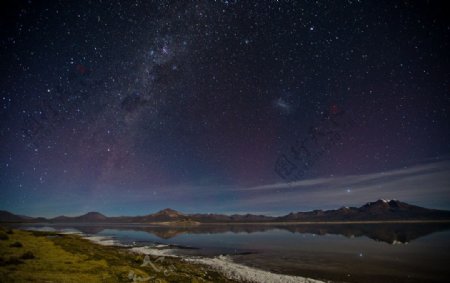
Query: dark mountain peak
x,y
94,214
404,205
387,204
345,209
381,203
169,212
6,216
4,212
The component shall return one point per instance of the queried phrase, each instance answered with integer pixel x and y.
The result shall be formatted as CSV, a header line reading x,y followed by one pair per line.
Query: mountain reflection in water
x,y
391,233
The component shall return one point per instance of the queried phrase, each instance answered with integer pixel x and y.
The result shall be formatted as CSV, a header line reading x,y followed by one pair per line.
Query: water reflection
x,y
354,253
389,233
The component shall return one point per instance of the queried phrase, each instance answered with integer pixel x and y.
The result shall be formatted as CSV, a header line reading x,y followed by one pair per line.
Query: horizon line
x,y
217,213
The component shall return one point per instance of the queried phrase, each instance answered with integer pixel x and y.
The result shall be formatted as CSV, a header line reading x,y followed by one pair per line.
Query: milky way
x,y
129,107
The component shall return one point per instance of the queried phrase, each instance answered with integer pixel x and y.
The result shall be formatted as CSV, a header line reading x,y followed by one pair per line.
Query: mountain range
x,y
380,210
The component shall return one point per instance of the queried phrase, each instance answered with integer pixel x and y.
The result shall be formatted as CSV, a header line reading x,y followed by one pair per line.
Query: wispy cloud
x,y
426,184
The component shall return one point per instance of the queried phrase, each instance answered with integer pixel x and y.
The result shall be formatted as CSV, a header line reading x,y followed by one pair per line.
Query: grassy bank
x,y
29,256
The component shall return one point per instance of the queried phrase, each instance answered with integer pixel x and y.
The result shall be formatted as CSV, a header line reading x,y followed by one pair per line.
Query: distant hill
x,y
92,217
165,215
380,210
6,216
214,218
373,211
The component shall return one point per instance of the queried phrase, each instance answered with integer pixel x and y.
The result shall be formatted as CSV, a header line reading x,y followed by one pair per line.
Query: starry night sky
x,y
127,107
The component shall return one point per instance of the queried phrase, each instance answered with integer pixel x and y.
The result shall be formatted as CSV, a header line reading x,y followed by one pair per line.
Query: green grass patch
x,y
52,257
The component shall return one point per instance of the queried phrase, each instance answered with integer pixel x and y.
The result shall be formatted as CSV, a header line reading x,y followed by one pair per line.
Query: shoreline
x,y
222,264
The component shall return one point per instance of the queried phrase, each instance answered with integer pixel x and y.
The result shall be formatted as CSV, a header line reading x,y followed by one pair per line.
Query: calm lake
x,y
337,252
